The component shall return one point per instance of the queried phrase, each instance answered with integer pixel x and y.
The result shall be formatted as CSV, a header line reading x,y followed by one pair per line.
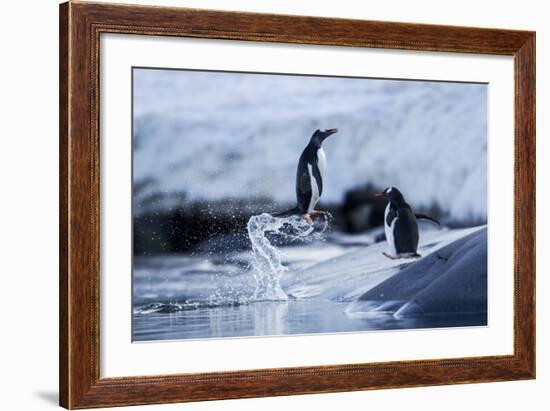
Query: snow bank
x,y
452,280
348,276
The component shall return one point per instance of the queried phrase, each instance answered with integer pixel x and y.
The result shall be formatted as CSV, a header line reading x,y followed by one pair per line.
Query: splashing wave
x,y
267,267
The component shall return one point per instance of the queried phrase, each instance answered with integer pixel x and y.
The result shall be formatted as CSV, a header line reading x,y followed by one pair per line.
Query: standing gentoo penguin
x,y
400,224
310,176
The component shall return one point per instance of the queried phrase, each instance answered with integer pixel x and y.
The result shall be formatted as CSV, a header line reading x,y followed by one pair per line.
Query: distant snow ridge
x,y
224,135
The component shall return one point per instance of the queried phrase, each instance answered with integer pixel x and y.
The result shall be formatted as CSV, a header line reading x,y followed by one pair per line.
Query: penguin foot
x,y
318,212
391,257
307,217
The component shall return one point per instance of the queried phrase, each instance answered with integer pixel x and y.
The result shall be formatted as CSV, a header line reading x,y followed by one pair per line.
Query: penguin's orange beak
x,y
331,131
379,194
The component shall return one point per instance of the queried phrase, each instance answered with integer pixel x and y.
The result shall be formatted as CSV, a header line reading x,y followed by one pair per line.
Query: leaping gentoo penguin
x,y
400,224
310,176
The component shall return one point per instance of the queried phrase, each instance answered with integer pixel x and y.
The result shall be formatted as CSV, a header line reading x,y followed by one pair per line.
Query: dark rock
x,y
361,210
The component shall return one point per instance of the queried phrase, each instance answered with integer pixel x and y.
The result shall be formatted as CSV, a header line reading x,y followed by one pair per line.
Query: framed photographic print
x,y
258,205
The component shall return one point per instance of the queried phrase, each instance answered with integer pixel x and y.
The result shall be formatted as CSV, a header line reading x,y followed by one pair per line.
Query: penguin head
x,y
319,136
392,194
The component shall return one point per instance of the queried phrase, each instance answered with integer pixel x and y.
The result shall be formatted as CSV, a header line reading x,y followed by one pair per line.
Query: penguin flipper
x,y
392,214
304,184
303,190
425,217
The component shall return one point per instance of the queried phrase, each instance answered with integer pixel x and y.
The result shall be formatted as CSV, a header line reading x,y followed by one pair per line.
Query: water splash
x,y
267,267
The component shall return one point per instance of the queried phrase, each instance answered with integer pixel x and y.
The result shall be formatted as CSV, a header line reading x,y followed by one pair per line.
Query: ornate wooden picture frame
x,y
81,25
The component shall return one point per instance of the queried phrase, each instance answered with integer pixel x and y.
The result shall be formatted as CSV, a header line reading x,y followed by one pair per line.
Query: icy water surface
x,y
266,318
307,286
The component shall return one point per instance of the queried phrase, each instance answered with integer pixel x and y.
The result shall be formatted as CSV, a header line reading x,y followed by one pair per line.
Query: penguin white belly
x,y
314,190
389,232
322,162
